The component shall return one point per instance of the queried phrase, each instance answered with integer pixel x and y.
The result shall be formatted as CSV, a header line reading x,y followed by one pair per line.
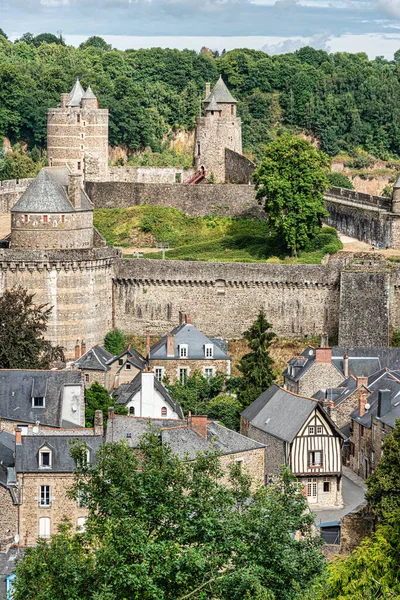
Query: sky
x,y
275,26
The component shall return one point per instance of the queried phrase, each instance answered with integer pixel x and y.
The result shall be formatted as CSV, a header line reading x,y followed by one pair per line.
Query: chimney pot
x,y
324,343
198,423
83,348
346,365
98,423
18,436
77,349
110,413
208,89
170,345
362,401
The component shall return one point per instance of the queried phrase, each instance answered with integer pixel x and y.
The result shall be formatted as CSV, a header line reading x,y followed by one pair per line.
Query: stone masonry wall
x,y
366,223
252,463
60,507
171,367
11,191
195,200
171,175
274,451
8,517
238,168
320,375
225,298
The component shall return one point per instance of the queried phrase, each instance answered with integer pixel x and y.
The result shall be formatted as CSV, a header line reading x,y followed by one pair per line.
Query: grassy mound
x,y
208,238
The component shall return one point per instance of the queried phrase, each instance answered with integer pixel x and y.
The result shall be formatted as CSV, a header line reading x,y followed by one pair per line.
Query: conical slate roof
x,y
221,94
397,184
213,106
76,94
44,195
89,93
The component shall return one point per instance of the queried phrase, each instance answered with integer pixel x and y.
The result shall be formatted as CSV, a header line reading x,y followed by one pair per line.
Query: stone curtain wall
x,y
11,191
194,200
223,299
149,174
77,284
238,168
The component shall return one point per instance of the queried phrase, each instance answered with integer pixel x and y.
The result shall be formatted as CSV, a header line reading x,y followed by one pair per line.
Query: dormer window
x,y
45,458
128,366
183,351
209,350
38,401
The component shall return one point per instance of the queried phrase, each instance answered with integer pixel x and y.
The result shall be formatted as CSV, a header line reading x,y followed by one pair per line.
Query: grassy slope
x,y
207,239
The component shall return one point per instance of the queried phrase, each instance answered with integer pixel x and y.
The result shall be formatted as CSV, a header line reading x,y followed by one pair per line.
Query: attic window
x,y
45,458
209,351
128,366
131,410
38,402
121,361
163,411
183,351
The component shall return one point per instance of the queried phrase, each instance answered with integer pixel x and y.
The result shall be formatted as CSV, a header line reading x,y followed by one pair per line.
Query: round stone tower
x,y
77,134
219,129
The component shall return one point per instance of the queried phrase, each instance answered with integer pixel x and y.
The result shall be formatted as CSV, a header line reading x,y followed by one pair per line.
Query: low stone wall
x,y
10,191
360,198
195,200
355,526
150,174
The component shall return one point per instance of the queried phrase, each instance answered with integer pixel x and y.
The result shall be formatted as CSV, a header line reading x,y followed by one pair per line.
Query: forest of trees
x,y
345,100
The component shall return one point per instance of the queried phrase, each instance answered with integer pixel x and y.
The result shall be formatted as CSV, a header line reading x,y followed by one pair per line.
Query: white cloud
x,y
319,42
391,7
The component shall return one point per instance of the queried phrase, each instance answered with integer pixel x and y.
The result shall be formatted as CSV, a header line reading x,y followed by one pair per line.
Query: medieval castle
x,y
54,251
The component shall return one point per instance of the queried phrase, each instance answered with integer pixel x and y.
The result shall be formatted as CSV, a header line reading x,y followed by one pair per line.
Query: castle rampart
x,y
11,190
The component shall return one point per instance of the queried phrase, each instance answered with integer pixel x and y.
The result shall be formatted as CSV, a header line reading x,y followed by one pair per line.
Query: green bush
x,y
340,180
115,342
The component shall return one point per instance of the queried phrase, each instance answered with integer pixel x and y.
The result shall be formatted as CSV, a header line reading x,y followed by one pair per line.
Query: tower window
x,y
79,165
62,218
78,118
198,148
232,109
45,219
26,218
131,410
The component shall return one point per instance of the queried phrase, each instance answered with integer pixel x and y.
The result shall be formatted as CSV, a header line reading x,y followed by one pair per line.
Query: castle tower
x,y
219,129
77,134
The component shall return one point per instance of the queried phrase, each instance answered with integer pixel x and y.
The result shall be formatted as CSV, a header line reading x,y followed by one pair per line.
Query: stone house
x,y
93,365
33,492
187,437
374,419
124,368
48,398
145,396
184,350
298,433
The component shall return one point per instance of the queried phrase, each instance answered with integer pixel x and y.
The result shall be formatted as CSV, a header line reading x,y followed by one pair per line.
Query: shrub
x,y
340,180
115,341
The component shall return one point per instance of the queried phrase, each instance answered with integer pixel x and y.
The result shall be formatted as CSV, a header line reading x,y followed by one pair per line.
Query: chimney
x,y
188,320
208,89
110,415
170,345
77,349
75,189
323,355
18,436
384,403
147,394
65,100
148,344
362,381
83,348
198,423
346,365
181,317
362,401
98,423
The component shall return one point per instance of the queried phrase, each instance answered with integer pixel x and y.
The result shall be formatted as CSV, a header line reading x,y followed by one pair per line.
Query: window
x,y
44,527
183,375
129,435
81,524
44,459
38,402
311,430
315,458
327,486
78,118
159,373
82,499
131,410
128,366
212,113
208,350
361,431
82,136
87,378
208,371
79,165
372,457
319,430
26,218
120,361
163,411
240,463
183,350
232,109
374,431
198,148
45,219
44,495
312,488
62,218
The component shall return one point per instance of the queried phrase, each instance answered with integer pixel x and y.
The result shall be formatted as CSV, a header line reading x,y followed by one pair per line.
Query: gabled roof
x,y
221,94
280,413
17,385
133,356
187,333
126,392
95,359
44,195
387,382
76,94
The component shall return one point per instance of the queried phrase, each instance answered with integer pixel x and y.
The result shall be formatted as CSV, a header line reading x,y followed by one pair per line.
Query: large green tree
x,y
23,325
257,365
162,528
290,183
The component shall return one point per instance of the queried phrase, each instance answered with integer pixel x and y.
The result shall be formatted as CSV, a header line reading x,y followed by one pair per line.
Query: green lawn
x,y
204,238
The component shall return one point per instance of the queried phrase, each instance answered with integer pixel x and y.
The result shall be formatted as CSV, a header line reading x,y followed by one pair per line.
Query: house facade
x,y
298,433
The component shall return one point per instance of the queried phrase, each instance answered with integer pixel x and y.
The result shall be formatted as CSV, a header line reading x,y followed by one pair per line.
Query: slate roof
x,y
387,382
7,445
27,453
16,390
280,413
95,359
213,106
48,193
183,441
89,93
338,394
76,94
388,357
187,333
221,94
135,358
126,392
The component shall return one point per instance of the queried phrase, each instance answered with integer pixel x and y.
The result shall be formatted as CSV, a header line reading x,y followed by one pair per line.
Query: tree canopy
x,y
97,398
290,183
115,341
23,325
161,528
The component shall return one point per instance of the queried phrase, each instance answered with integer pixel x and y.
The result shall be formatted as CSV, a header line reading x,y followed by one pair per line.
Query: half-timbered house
x,y
298,433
